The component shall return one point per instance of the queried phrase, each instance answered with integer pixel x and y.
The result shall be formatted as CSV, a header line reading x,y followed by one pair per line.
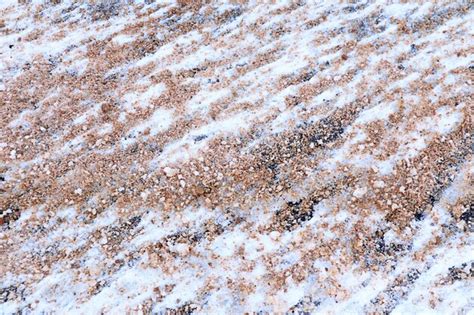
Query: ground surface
x,y
225,158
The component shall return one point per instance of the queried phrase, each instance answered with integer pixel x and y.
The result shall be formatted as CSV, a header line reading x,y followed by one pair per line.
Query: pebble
x,y
360,192
274,235
144,195
182,249
170,172
379,184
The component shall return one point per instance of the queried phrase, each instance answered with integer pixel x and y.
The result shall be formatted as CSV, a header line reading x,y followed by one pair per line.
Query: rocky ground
x,y
234,157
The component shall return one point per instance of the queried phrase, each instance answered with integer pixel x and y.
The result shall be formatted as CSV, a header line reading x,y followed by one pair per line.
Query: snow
x,y
123,39
144,98
381,111
159,121
452,296
207,272
400,10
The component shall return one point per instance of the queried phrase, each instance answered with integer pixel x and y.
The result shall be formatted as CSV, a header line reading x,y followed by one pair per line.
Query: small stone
x,y
182,249
360,192
402,189
182,183
274,235
144,195
379,184
170,171
78,191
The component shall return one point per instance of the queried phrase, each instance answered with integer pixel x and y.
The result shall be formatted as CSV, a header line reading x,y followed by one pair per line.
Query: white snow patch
x,y
379,112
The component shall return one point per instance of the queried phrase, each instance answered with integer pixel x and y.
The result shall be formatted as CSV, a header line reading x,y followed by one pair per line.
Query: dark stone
x,y
308,75
468,215
199,138
419,216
